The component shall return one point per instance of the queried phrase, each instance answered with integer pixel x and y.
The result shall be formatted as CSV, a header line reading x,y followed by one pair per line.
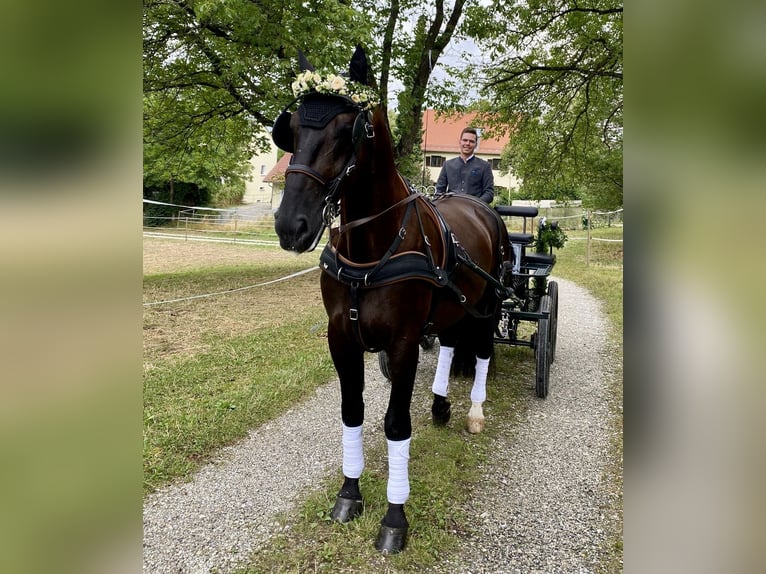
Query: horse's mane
x,y
382,148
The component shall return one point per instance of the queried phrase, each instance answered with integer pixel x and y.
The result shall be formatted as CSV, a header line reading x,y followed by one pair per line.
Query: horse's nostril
x,y
301,225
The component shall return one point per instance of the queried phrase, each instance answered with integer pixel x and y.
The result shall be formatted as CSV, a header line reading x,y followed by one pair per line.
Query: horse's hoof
x,y
391,540
346,509
475,419
475,426
441,411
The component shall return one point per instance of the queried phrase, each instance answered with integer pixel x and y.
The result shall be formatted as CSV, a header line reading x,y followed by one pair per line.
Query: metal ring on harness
x,y
329,212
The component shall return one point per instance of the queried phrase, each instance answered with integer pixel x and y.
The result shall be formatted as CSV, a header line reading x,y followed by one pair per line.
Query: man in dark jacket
x,y
467,173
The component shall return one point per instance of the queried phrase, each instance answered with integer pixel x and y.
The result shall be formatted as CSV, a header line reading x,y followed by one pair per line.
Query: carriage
x,y
535,298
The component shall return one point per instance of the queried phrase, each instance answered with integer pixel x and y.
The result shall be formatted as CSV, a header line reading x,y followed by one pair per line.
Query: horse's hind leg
x,y
440,409
484,332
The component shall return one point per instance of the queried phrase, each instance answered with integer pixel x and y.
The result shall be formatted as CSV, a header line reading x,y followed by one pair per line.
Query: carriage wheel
x,y
383,363
543,349
553,291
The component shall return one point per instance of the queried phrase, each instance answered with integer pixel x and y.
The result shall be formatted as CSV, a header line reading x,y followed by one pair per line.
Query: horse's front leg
x,y
403,363
349,363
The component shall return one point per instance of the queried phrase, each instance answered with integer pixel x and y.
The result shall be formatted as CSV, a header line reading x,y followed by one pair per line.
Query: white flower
x,y
308,81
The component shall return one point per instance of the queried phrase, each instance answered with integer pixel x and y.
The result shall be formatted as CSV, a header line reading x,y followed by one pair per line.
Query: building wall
x,y
257,191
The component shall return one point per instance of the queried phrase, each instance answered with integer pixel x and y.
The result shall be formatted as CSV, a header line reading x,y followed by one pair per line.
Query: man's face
x,y
467,143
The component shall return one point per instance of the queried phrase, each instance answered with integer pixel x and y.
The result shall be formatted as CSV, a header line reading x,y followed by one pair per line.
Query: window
x,y
435,161
495,162
263,169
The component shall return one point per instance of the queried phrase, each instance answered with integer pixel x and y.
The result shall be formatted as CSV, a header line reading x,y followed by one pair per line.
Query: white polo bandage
x,y
353,453
479,390
398,480
441,378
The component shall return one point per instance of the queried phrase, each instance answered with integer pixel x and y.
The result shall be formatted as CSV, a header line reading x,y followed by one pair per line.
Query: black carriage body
x,y
535,299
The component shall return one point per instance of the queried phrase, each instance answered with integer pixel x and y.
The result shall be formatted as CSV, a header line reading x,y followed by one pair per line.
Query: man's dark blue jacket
x,y
473,177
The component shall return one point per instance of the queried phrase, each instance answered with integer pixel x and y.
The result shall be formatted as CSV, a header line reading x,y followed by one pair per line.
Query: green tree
x,y
217,72
557,79
226,59
214,155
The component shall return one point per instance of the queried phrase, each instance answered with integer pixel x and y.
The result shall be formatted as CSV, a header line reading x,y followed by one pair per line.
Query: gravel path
x,y
548,503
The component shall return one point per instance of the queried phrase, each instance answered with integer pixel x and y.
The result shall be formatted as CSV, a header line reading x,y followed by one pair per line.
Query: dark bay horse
x,y
398,266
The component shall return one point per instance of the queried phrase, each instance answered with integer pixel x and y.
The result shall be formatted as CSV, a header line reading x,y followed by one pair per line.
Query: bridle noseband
x,y
331,201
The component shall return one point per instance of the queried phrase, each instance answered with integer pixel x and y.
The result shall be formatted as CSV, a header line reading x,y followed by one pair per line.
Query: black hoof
x,y
391,540
346,509
441,410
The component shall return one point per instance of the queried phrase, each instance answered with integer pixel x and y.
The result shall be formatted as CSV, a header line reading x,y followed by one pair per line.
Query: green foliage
x,y
217,73
549,235
214,155
558,80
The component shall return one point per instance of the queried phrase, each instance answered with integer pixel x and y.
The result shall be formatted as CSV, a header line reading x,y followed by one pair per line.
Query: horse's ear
x,y
357,67
303,63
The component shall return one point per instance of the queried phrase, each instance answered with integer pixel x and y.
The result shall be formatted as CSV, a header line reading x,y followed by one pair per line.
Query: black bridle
x,y
331,201
282,136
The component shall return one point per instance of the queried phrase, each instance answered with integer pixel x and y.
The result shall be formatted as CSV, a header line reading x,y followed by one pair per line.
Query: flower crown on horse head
x,y
310,81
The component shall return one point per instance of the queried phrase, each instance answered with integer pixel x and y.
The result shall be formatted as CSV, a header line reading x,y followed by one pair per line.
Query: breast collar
x,y
397,266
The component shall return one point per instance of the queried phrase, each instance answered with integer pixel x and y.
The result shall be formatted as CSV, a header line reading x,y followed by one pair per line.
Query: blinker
x,y
282,134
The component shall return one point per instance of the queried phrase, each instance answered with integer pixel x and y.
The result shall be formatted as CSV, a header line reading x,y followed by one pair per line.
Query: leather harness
x,y
395,267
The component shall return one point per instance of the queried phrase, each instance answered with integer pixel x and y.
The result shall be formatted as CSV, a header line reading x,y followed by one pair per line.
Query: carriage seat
x,y
521,238
540,258
516,210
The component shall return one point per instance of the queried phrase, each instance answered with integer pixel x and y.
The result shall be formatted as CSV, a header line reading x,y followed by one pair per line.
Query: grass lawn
x,y
215,367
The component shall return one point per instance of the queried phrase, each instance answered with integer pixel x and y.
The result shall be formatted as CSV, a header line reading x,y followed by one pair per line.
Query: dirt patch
x,y
171,255
185,328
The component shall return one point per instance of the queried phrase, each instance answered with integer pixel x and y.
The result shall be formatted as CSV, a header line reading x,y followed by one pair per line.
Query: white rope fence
x,y
291,276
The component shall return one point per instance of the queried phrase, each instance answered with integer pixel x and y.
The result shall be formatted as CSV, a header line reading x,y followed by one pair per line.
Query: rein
x,y
358,222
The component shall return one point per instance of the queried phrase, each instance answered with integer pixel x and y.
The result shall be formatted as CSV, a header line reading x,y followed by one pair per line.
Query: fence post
x,y
587,242
186,228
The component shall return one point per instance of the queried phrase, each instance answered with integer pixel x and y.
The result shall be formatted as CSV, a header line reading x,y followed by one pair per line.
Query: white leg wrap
x,y
398,462
443,365
353,454
479,390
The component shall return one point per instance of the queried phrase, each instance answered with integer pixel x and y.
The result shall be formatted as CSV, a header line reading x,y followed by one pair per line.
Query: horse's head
x,y
332,117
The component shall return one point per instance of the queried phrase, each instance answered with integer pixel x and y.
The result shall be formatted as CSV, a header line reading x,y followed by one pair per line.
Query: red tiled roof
x,y
279,168
442,133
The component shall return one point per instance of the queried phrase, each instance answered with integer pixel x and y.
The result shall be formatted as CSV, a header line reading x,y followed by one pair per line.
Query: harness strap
x,y
358,222
353,315
394,246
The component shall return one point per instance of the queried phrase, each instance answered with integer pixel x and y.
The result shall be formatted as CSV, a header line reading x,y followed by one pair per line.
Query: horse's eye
x,y
343,132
